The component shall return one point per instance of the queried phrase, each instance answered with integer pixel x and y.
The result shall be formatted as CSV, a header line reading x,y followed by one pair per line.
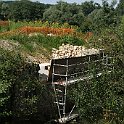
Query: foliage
x,y
64,12
4,10
88,7
52,14
47,42
8,65
22,10
88,16
120,7
20,24
22,95
103,18
101,100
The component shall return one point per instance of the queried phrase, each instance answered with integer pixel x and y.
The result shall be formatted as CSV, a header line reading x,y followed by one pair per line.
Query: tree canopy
x,y
87,16
120,7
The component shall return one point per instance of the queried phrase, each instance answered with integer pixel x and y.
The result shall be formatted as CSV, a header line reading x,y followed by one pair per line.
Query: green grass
x,y
45,41
15,25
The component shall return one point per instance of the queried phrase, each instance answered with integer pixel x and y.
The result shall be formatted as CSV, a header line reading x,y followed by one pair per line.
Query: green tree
x,y
120,7
104,17
0,9
64,12
88,7
25,10
21,10
52,14
8,66
22,95
5,10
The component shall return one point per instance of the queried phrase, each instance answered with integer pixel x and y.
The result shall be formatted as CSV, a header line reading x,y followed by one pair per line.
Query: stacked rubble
x,y
68,51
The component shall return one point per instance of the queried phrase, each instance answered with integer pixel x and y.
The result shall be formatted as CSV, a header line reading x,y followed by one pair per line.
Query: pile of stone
x,y
68,51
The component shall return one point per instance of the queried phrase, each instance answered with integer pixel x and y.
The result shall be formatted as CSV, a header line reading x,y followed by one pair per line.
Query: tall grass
x,y
14,25
14,28
47,42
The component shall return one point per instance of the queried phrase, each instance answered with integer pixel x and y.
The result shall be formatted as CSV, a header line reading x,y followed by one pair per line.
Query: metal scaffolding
x,y
67,71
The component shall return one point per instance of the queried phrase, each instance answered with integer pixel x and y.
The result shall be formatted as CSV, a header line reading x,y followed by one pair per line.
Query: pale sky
x,y
69,1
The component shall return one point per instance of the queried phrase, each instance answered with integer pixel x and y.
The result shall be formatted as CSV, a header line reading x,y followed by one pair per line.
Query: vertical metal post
x,y
65,87
55,90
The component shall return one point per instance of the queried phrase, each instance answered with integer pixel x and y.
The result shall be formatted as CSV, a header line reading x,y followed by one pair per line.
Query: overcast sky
x,y
69,1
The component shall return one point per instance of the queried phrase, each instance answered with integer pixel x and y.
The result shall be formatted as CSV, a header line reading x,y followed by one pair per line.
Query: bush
x,y
47,42
9,64
101,100
22,95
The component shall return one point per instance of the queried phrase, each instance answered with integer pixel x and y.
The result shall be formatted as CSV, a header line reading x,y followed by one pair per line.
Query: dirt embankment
x,y
16,47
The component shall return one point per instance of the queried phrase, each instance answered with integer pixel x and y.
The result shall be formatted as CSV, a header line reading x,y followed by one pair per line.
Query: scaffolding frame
x,y
72,70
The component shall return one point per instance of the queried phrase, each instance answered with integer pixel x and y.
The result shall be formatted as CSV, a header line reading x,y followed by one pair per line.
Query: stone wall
x,y
67,51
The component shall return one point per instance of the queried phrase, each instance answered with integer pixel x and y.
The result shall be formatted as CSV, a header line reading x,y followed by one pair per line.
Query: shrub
x,y
22,95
